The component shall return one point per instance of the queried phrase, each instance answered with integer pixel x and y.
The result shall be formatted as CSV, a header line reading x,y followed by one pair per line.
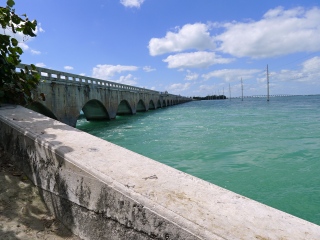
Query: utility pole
x,y
242,89
268,84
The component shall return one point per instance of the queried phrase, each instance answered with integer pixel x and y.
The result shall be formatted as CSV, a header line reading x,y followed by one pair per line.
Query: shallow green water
x,y
267,151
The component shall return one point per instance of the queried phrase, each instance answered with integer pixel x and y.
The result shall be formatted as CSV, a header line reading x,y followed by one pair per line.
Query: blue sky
x,y
192,48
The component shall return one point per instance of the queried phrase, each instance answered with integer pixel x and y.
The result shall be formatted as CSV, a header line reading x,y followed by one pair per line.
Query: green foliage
x,y
212,97
15,87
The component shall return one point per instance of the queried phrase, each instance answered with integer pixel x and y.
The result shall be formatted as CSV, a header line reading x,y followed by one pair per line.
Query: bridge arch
x,y
164,103
141,107
124,108
40,108
151,105
158,103
95,110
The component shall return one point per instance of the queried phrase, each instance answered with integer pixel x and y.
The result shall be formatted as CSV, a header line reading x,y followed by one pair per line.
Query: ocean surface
x,y
267,151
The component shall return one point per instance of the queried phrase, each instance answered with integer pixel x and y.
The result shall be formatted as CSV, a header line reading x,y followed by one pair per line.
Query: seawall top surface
x,y
204,209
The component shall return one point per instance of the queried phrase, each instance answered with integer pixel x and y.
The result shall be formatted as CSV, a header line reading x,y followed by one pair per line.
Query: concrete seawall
x,y
103,191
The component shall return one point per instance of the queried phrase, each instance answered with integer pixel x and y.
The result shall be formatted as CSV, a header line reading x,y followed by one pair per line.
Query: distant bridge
x,y
67,94
265,96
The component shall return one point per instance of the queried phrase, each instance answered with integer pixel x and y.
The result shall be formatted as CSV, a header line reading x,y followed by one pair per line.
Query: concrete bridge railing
x,y
103,191
67,94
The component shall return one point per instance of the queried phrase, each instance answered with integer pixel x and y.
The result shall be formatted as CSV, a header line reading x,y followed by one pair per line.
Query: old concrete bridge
x,y
67,94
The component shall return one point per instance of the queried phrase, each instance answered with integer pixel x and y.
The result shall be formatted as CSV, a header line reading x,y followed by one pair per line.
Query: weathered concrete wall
x,y
103,191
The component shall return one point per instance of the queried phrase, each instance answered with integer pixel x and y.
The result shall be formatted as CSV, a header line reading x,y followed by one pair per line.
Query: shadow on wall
x,y
24,214
90,207
40,160
38,107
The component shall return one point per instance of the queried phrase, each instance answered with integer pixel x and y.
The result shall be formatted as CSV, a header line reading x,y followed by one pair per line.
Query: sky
x,y
186,47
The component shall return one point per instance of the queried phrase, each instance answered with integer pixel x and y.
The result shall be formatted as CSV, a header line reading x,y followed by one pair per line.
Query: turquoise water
x,y
267,151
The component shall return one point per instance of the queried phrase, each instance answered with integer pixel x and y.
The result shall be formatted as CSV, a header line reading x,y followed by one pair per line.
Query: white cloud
x,y
40,64
128,80
148,69
190,36
279,32
132,3
39,28
311,65
178,87
23,45
230,75
35,52
23,39
309,72
82,74
68,68
195,60
191,76
208,88
106,71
